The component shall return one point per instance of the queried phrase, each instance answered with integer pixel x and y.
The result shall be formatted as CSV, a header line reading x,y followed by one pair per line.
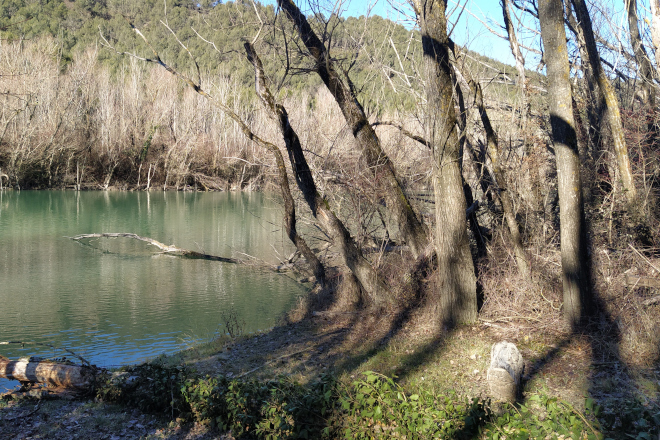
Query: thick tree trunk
x,y
411,228
457,289
647,87
610,101
572,225
351,255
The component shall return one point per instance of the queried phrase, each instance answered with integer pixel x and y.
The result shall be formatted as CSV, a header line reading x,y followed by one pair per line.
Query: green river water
x,y
120,301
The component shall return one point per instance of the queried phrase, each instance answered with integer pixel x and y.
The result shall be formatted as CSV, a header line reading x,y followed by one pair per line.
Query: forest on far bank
x,y
79,115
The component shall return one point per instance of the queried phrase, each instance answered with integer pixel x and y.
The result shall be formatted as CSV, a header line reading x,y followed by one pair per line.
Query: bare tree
x,y
513,42
647,87
572,224
351,255
594,96
412,230
504,195
610,100
289,207
655,29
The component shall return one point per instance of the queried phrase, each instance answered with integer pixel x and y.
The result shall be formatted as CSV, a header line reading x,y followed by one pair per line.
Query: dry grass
x,y
140,127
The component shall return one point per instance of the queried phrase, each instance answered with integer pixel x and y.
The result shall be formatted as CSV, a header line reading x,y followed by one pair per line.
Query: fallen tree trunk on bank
x,y
169,249
47,372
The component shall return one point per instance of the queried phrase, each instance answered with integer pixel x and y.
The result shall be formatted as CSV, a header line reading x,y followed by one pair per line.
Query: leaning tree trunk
x,y
594,97
351,255
411,228
457,288
520,63
290,217
647,87
513,42
473,220
289,206
500,178
503,195
572,225
610,101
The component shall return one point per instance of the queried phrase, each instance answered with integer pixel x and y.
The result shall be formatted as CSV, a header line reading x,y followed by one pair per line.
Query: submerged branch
x,y
43,344
170,249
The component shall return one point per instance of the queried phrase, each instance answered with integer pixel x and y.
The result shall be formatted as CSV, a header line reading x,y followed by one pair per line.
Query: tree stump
x,y
506,368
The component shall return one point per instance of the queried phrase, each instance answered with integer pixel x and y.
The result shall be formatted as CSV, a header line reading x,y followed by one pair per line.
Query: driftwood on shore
x,y
46,372
650,282
635,281
169,249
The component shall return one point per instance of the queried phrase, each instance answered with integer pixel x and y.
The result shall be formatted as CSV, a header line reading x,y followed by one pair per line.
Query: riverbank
x,y
571,368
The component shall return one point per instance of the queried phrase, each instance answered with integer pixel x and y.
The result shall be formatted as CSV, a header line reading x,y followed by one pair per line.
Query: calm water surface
x,y
118,301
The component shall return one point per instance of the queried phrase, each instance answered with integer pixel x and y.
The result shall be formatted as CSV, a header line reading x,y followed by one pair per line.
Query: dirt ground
x,y
571,367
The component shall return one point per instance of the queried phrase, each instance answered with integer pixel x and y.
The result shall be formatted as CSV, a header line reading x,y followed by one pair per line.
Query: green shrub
x,y
274,409
150,387
376,407
371,407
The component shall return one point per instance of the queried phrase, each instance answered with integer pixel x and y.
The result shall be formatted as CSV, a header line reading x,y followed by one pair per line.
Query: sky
x,y
469,31
471,26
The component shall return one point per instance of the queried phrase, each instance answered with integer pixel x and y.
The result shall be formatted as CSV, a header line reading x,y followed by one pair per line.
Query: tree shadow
x,y
406,363
610,381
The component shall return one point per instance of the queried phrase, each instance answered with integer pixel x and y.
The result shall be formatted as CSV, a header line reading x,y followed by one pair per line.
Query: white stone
x,y
505,372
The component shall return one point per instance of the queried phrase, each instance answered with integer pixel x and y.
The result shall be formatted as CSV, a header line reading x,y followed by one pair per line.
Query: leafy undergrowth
x,y
373,406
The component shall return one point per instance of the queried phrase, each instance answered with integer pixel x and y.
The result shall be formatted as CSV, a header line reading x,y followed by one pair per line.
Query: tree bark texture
x,y
351,255
647,87
457,289
610,101
572,227
412,230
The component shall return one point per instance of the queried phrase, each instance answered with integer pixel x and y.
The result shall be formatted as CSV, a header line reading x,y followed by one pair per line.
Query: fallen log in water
x,y
169,249
47,372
